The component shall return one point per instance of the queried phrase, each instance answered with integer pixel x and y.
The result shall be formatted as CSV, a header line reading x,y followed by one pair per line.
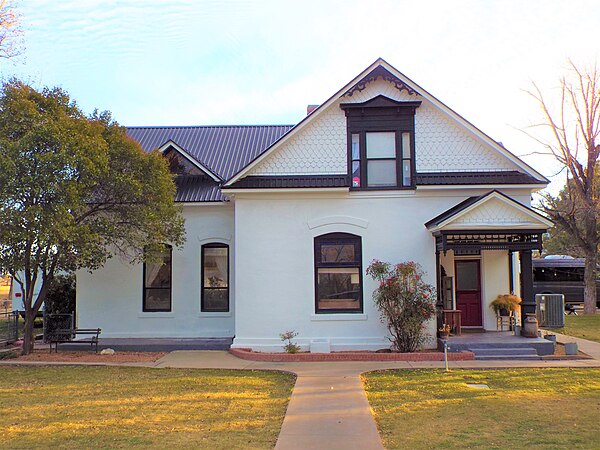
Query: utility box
x,y
550,310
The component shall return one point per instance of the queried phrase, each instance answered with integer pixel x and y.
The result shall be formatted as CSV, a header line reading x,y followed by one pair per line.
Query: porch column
x,y
528,303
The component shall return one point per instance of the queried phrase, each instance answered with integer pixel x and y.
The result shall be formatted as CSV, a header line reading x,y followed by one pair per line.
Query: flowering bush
x,y
405,301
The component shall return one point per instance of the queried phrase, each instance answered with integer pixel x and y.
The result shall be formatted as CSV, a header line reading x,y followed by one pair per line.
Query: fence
x,y
9,327
54,322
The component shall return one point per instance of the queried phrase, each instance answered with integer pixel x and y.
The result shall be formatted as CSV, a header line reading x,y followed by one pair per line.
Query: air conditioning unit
x,y
550,310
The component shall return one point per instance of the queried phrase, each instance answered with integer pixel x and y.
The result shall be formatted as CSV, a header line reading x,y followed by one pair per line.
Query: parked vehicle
x,y
561,275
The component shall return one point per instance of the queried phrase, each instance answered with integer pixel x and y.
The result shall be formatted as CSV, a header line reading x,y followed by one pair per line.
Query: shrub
x,y
290,347
405,301
61,295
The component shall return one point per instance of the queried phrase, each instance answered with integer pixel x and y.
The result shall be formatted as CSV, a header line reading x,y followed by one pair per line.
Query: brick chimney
x,y
311,108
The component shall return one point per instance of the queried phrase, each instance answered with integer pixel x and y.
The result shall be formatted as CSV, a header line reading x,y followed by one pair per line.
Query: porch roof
x,y
493,211
492,221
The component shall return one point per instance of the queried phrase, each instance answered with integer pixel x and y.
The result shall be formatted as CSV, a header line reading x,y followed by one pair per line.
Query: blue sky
x,y
256,62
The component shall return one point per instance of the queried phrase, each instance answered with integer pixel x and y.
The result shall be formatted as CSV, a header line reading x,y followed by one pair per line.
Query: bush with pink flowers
x,y
405,301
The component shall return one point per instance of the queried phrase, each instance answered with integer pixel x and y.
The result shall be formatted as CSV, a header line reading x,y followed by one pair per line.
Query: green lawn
x,y
117,407
523,408
584,326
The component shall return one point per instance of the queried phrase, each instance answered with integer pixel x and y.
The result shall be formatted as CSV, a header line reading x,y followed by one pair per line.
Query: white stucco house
x,y
282,222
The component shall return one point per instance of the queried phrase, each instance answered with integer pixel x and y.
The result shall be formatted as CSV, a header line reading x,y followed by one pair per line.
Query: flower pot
x,y
550,337
571,348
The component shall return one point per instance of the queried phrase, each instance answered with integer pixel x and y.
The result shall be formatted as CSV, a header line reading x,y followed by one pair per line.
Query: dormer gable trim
x,y
171,144
381,101
379,69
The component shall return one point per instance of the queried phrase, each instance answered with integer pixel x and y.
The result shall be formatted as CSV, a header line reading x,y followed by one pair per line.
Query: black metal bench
x,y
62,336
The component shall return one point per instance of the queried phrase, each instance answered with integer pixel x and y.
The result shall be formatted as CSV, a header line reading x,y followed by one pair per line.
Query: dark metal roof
x,y
225,150
300,181
197,189
462,178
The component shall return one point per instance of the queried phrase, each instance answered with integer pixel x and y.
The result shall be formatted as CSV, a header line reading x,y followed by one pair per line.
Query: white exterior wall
x,y
495,281
111,298
275,260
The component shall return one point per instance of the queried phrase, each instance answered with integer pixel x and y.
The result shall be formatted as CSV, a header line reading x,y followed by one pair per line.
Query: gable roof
x,y
381,68
172,145
448,218
221,150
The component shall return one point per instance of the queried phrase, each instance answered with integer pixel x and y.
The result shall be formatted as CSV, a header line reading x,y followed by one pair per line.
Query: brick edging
x,y
245,353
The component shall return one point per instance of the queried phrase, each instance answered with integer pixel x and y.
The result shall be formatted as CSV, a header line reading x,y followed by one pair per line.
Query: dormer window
x,y
381,143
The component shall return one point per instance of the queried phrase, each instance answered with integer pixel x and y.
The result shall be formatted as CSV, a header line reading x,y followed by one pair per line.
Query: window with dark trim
x,y
338,273
381,143
158,277
215,278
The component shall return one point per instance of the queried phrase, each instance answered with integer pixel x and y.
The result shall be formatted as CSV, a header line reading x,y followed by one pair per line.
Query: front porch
x,y
500,345
483,249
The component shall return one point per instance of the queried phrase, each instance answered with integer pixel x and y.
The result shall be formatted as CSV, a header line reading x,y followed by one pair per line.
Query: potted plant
x,y
444,331
505,304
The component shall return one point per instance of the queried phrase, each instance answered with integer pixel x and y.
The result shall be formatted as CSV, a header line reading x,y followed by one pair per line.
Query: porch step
x,y
504,353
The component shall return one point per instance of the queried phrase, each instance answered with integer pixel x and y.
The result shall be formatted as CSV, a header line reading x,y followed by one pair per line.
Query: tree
x,y
10,30
74,191
573,129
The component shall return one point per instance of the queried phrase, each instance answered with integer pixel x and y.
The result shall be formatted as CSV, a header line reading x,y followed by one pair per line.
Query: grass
x,y
585,326
118,407
523,408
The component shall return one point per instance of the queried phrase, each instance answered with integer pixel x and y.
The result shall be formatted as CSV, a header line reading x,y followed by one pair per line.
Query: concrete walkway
x,y
328,408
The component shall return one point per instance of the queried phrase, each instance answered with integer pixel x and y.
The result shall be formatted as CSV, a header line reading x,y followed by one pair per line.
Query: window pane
x,y
381,145
158,300
338,288
158,274
216,300
355,147
406,145
215,267
381,173
467,276
337,253
355,174
406,175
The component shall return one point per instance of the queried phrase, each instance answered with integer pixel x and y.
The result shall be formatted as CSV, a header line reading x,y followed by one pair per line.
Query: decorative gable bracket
x,y
382,72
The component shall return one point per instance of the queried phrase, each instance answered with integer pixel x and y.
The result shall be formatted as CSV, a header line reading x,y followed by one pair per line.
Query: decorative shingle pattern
x,y
442,145
493,212
319,148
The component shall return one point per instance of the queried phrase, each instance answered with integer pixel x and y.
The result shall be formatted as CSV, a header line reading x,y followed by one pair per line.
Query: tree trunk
x,y
29,337
589,280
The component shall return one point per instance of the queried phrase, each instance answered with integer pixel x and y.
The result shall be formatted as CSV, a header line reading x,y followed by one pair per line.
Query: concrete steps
x,y
483,352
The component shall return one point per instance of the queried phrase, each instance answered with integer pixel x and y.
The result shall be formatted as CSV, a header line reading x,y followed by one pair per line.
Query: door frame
x,y
479,286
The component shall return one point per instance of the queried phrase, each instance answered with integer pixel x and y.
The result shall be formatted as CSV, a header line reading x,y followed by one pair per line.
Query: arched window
x,y
338,273
157,282
215,278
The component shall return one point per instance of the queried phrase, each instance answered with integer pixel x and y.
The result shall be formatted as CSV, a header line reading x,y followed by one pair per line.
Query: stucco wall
x,y
111,298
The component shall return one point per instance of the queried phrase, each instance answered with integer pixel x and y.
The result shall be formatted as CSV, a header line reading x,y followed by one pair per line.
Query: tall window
x,y
215,278
157,282
338,273
381,141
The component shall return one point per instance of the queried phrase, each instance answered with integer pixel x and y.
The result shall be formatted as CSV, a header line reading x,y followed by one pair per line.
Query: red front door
x,y
468,292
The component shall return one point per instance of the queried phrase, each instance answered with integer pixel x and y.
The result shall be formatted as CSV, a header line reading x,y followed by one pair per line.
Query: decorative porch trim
x,y
512,240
